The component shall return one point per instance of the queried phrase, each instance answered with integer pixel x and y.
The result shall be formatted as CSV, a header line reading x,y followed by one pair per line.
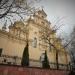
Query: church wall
x,y
11,46
34,51
13,42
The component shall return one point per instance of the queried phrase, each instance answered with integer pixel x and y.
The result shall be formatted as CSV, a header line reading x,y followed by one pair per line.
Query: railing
x,y
60,66
15,60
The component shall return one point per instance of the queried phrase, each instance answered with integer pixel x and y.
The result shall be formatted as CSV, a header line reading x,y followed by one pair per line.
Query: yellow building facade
x,y
34,30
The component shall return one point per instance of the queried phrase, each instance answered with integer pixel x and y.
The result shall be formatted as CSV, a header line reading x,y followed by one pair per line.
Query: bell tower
x,y
35,23
40,18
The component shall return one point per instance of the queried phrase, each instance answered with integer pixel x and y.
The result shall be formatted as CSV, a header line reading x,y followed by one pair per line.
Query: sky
x,y
60,12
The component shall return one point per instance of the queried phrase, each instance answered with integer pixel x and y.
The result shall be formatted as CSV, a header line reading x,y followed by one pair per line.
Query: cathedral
x,y
37,30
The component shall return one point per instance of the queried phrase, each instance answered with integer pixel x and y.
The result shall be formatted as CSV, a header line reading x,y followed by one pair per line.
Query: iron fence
x,y
15,60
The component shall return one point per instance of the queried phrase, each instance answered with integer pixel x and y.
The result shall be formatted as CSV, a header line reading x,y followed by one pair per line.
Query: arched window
x,y
35,42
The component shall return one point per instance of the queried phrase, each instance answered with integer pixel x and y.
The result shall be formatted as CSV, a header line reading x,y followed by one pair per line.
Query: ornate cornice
x,y
6,34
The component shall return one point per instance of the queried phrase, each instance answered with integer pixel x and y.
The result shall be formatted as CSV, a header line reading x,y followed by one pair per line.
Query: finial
x,y
42,8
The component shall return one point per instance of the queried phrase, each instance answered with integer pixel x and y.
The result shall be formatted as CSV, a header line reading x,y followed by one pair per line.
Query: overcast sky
x,y
60,9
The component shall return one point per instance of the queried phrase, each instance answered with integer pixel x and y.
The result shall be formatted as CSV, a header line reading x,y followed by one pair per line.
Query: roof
x,y
43,12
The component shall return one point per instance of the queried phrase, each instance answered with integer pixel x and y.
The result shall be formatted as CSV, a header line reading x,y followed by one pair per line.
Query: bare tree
x,y
72,47
48,35
12,8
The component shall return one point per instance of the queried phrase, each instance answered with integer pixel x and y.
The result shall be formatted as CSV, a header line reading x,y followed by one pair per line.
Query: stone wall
x,y
18,70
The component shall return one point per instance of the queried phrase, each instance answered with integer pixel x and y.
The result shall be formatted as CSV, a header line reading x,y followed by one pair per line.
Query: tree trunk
x,y
57,59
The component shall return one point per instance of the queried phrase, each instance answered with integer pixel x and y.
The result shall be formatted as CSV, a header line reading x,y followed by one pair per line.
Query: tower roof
x,y
42,12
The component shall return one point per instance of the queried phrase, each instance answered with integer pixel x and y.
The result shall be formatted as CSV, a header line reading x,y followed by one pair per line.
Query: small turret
x,y
4,27
41,14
